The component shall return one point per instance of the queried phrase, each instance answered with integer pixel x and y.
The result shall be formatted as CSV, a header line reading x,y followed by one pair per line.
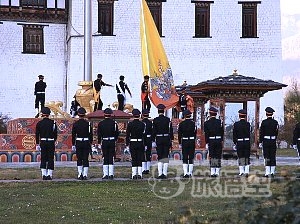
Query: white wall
x,y
191,59
19,72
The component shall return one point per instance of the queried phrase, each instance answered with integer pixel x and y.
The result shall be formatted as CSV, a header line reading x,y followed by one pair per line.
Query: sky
x,y
290,26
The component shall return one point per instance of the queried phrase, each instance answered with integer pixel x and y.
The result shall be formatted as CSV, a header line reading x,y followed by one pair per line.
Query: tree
x,y
291,112
3,123
292,103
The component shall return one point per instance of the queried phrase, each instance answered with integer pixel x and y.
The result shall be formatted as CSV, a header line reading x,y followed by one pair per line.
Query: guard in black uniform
x,y
45,136
108,133
148,142
74,107
296,140
214,133
187,132
121,87
241,139
98,83
82,138
145,93
267,141
135,138
182,101
162,134
39,92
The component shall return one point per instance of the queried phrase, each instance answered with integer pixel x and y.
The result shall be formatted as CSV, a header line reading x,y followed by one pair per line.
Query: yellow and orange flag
x,y
155,62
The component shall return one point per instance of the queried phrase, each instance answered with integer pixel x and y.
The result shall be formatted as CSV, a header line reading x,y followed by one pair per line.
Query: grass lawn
x,y
108,202
126,201
287,152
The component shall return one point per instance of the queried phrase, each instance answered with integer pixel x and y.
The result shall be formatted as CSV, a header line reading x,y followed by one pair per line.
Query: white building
x,y
202,39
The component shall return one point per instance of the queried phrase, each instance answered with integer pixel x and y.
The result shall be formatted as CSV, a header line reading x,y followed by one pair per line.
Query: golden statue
x,y
127,107
85,95
55,107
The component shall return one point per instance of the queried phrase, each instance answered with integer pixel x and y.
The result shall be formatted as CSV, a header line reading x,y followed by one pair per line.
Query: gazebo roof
x,y
236,82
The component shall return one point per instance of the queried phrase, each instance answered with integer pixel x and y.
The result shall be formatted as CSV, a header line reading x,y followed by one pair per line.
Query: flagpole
x,y
88,40
85,95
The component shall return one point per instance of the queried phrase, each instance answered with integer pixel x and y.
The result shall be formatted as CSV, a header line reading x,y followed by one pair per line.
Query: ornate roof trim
x,y
236,81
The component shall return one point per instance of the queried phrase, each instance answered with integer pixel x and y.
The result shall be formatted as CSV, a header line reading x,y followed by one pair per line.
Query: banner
x,y
155,62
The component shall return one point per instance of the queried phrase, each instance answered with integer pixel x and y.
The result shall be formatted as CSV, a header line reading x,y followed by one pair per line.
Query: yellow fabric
x,y
96,95
155,62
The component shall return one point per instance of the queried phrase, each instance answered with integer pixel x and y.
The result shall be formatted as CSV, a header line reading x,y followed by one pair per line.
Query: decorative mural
x,y
18,145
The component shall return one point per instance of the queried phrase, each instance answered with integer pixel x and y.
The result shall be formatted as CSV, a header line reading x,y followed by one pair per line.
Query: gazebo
x,y
234,88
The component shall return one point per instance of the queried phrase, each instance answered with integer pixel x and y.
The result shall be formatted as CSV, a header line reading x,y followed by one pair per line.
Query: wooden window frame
x,y
106,17
33,39
202,19
155,7
33,3
249,19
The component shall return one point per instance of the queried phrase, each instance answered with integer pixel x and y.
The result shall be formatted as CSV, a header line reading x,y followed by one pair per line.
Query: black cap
x,y
269,110
161,106
213,110
186,113
41,76
122,77
145,112
108,111
146,77
99,75
45,111
136,112
242,112
81,111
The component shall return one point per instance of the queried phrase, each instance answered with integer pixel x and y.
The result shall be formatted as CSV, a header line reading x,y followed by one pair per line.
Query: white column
x,y
87,40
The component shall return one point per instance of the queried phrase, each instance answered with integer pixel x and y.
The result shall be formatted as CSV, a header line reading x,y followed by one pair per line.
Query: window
x,y
155,8
202,19
33,39
105,17
33,3
249,19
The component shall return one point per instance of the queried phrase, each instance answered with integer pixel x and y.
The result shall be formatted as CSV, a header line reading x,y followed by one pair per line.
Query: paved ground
x,y
280,161
293,161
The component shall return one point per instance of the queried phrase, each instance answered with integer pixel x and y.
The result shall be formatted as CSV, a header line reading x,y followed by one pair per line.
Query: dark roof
x,y
117,114
236,81
188,90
